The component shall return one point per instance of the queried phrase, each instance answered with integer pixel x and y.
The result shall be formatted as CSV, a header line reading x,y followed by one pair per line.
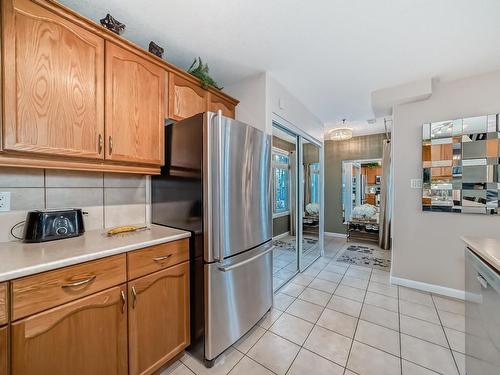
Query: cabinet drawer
x,y
145,261
33,294
3,303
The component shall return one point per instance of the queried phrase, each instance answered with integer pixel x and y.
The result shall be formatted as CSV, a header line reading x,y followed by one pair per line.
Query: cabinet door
x,y
84,337
134,107
4,303
53,83
158,318
217,103
185,98
3,351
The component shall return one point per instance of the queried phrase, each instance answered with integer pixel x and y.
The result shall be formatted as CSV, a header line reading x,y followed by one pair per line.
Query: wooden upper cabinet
x,y
217,103
135,113
53,83
158,318
84,337
185,98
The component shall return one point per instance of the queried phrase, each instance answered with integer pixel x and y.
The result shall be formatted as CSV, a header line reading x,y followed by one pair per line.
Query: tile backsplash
x,y
110,199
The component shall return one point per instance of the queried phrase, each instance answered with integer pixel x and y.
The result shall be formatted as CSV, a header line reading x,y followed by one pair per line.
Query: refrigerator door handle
x,y
221,197
246,261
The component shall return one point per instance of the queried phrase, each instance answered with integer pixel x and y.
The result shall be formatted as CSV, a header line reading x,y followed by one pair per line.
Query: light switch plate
x,y
4,201
416,183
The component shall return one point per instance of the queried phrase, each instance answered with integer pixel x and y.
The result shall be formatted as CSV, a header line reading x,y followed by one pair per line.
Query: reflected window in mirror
x,y
281,181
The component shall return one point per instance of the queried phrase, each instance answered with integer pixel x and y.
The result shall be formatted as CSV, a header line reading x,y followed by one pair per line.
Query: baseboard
x,y
281,235
432,288
333,234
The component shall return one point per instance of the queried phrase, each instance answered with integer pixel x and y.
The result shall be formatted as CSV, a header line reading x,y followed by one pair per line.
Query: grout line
x,y
104,204
355,328
45,189
427,368
446,337
399,334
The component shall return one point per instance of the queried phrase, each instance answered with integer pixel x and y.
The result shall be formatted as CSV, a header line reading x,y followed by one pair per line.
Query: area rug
x,y
362,255
288,243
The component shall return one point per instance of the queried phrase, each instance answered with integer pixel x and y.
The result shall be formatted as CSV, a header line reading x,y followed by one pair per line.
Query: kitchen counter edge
x,y
488,249
81,256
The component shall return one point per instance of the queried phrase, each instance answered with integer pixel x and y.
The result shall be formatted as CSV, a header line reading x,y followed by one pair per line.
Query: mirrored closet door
x,y
311,203
284,165
297,201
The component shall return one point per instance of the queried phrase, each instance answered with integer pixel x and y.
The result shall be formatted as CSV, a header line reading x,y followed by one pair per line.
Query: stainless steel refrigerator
x,y
216,184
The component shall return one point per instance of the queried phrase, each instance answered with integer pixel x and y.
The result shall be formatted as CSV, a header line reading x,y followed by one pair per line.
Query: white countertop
x,y
487,248
19,259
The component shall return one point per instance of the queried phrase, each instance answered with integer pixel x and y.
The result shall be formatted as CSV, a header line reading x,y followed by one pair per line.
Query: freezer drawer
x,y
482,317
238,293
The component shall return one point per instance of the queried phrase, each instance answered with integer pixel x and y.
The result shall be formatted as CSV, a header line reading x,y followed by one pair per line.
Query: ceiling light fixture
x,y
340,134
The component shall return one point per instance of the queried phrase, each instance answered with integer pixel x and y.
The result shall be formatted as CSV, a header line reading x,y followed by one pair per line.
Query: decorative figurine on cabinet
x,y
155,49
112,24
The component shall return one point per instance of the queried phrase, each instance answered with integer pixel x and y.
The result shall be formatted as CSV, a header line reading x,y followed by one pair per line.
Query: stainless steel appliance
x,y
482,317
49,225
216,184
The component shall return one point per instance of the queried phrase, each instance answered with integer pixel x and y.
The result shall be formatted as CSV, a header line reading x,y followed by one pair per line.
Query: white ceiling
x,y
331,54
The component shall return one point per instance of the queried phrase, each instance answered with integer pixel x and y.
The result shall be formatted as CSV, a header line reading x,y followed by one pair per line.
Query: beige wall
x,y
110,199
427,246
365,147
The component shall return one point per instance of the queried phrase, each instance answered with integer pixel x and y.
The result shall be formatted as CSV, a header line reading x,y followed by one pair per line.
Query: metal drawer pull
x,y
246,261
79,282
134,297
100,143
123,301
161,259
482,281
110,145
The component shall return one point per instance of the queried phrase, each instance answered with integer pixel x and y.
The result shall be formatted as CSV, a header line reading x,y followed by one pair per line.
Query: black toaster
x,y
48,225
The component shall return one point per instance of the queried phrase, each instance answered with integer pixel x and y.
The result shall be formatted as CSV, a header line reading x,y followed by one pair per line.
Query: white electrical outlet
x,y
4,201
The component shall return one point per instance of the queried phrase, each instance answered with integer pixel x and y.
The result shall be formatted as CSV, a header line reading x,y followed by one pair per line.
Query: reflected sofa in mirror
x,y
460,165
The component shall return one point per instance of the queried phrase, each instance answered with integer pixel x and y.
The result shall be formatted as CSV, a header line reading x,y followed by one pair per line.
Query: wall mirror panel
x,y
460,161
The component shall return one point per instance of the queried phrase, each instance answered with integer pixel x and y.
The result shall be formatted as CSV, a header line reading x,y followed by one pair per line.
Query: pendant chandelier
x,y
342,133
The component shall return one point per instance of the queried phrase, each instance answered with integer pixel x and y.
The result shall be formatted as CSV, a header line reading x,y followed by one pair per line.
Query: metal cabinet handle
x,y
134,297
161,259
221,186
124,301
110,145
100,143
79,282
482,281
246,261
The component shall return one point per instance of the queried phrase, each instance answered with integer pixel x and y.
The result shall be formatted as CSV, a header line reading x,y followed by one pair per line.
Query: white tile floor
x,y
346,319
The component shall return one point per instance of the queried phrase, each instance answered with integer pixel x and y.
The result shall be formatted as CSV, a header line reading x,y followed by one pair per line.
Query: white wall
x,y
251,92
284,105
260,96
427,246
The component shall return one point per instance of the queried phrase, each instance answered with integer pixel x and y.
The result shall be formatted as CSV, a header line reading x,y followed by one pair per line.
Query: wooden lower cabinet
x,y
4,367
158,318
84,337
